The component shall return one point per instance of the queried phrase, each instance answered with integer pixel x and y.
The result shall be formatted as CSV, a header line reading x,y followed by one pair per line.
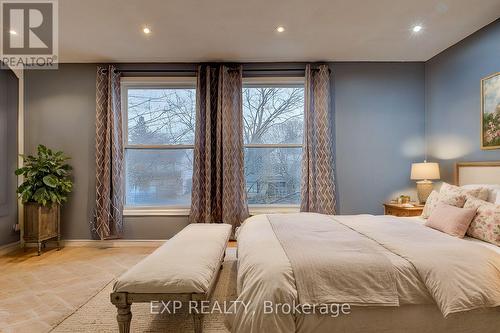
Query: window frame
x,y
274,81
151,83
190,82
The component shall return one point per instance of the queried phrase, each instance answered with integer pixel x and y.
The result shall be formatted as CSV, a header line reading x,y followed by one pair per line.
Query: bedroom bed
x,y
396,274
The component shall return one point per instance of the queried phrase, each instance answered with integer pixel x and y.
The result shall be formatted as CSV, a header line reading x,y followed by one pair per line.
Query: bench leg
x,y
198,322
124,316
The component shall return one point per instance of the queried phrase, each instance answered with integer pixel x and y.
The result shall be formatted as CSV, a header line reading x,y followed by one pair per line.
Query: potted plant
x,y
45,187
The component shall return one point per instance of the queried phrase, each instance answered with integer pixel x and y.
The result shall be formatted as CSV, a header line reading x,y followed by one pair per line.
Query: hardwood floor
x,y
38,292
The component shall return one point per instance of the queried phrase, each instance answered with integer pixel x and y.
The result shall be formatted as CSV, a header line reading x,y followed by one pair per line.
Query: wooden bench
x,y
184,269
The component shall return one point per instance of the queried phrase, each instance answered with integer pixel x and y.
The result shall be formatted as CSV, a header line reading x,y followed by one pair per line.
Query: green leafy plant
x,y
46,177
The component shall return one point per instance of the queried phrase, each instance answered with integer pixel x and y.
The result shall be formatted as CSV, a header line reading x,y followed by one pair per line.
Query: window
x,y
159,129
273,114
159,141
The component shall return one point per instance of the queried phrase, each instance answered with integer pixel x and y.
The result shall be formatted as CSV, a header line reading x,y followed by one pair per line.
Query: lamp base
x,y
424,189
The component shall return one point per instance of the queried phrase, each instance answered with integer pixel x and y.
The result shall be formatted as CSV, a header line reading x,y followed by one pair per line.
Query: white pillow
x,y
493,190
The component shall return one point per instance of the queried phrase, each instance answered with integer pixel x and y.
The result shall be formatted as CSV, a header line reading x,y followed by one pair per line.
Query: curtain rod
x,y
196,71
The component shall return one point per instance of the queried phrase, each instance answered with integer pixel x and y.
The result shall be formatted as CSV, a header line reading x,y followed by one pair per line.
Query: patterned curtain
x,y
318,183
218,193
107,222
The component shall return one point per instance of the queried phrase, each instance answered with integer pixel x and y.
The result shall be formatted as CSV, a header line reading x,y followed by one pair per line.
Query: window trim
x,y
256,209
190,82
152,83
256,82
183,211
270,81
156,211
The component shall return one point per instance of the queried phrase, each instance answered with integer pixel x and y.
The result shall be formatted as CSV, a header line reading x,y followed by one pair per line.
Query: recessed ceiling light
x,y
146,30
280,28
416,28
13,32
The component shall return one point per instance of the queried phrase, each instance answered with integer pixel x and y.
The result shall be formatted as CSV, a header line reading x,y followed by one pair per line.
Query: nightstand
x,y
400,210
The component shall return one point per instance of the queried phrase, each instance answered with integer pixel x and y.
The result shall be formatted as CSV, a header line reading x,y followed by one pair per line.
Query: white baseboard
x,y
113,243
103,243
5,249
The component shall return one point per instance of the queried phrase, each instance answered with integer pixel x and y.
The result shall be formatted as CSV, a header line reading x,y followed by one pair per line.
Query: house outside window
x,y
159,126
273,113
159,117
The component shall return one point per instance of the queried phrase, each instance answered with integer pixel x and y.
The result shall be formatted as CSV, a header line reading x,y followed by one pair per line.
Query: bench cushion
x,y
186,263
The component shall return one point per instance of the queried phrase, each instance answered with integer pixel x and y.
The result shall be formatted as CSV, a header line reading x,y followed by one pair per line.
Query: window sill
x,y
146,211
184,211
272,209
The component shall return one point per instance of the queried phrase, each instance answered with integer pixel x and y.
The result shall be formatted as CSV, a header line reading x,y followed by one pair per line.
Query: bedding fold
x,y
334,264
459,275
433,271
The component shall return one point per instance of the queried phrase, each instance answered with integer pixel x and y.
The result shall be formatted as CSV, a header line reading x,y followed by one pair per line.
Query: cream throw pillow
x,y
494,191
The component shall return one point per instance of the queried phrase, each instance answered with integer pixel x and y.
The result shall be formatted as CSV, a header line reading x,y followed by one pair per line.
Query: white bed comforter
x,y
265,272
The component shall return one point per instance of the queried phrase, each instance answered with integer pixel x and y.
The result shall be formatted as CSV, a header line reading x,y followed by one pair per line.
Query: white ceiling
x,y
244,30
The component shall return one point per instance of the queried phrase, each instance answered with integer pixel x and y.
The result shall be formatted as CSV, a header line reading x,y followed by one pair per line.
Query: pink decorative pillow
x,y
450,219
486,224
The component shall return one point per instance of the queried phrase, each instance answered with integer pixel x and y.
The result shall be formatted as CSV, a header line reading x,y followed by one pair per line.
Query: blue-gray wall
x,y
383,112
8,156
453,99
379,123
60,113
379,117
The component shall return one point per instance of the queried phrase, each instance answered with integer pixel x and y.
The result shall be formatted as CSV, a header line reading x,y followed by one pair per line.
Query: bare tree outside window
x,y
273,134
160,140
159,150
161,116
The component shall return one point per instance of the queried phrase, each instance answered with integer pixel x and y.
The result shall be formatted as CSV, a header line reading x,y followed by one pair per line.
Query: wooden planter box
x,y
41,224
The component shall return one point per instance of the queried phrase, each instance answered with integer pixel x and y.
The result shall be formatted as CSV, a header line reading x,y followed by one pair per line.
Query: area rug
x,y
38,292
99,315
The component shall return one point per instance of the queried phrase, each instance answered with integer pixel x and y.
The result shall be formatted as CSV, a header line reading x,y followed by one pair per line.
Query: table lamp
x,y
423,173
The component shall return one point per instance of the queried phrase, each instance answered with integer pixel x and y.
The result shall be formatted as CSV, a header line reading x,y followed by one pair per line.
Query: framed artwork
x,y
490,112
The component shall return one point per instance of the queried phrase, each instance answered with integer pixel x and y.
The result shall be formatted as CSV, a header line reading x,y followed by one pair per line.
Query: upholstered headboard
x,y
477,173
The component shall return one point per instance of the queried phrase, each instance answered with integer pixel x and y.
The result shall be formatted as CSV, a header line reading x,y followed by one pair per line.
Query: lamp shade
x,y
420,171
